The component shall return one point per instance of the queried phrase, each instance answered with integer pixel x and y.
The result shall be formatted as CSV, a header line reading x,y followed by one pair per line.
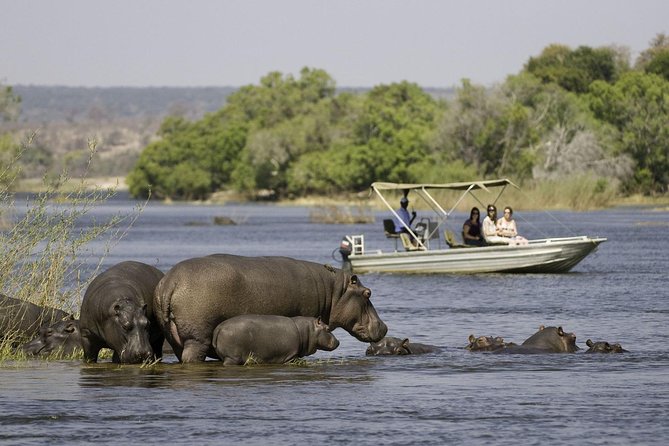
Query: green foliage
x,y
638,107
567,113
10,104
574,70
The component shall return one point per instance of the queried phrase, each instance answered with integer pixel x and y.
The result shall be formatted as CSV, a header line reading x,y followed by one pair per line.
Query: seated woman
x,y
506,227
471,229
491,234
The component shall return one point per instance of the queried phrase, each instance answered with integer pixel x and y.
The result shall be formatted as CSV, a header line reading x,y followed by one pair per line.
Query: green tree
x,y
638,107
391,128
575,70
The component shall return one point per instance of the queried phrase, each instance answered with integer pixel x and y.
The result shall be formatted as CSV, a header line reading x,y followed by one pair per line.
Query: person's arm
x,y
465,231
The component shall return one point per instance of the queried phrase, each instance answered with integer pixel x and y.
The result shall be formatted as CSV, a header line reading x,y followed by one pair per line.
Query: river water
x,y
619,293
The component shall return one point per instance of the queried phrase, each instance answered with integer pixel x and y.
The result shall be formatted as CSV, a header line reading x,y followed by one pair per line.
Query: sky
x,y
360,43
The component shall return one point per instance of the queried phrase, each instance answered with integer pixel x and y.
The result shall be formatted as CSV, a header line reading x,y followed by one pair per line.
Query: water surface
x,y
617,294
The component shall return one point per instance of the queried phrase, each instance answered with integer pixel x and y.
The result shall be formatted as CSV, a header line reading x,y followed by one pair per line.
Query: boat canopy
x,y
469,185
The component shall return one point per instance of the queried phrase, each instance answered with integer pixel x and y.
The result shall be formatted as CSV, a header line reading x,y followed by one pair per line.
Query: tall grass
x,y
44,251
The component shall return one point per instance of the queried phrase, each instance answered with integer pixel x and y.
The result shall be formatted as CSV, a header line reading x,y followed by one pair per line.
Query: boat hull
x,y
556,255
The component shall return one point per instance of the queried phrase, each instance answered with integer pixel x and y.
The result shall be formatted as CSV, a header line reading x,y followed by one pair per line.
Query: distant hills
x,y
41,104
57,103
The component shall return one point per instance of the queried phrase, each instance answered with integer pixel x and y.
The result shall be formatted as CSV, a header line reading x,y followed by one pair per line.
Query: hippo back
x,y
21,320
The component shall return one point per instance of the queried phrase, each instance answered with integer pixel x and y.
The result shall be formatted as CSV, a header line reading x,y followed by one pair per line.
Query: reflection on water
x,y
618,294
175,375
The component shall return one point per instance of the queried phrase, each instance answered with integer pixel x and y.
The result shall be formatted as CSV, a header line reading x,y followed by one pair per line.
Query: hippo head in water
x,y
485,343
603,347
128,333
353,311
389,346
62,338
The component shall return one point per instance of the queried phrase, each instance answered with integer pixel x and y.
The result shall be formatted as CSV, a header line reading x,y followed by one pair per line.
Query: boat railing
x,y
357,244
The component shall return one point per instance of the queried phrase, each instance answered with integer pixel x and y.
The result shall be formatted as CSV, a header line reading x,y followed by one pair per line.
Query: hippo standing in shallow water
x,y
397,346
116,313
21,320
603,347
270,339
62,338
198,294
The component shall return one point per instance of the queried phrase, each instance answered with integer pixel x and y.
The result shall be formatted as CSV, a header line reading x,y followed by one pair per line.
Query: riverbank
x,y
545,196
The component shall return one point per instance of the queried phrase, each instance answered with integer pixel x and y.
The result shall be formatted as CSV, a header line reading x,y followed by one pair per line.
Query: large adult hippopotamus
x,y
391,345
21,320
270,339
117,313
198,294
62,338
546,340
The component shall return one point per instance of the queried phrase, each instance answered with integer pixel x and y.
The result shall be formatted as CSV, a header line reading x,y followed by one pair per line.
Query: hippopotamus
x,y
21,320
117,313
546,340
487,343
603,347
198,294
62,338
270,339
390,345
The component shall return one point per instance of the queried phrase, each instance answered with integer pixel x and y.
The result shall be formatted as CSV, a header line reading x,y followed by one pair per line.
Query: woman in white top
x,y
506,227
490,231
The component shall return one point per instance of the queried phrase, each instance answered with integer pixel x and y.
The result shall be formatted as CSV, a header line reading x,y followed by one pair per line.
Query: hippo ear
x,y
589,342
560,331
541,327
471,338
70,328
405,343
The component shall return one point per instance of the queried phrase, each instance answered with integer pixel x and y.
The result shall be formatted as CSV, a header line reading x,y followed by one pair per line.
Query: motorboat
x,y
421,250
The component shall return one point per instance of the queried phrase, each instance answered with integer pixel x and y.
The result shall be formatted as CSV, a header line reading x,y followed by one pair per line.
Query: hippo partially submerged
x,y
21,320
62,338
116,313
390,345
486,343
270,339
546,340
603,347
198,294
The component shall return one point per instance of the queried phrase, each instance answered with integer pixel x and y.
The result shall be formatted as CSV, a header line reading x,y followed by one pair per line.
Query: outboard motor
x,y
345,248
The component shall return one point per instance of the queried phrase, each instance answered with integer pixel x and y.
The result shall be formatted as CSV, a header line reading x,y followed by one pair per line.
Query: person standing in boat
x,y
490,232
506,227
471,229
404,215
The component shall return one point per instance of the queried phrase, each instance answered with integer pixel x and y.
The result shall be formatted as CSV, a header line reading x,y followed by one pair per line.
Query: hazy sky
x,y
358,42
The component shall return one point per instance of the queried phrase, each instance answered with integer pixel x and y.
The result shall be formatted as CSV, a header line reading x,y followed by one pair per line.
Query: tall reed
x,y
43,249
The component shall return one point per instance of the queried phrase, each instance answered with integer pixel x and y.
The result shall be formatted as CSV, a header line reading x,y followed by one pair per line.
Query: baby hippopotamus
x,y
62,338
603,347
390,345
270,339
486,343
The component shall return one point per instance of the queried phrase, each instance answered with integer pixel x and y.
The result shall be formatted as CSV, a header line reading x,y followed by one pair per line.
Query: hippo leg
x,y
194,351
91,347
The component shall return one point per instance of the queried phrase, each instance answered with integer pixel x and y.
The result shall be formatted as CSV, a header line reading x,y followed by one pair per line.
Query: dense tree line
x,y
567,112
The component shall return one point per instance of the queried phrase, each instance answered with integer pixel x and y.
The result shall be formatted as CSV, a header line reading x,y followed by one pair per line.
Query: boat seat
x,y
406,242
449,236
389,230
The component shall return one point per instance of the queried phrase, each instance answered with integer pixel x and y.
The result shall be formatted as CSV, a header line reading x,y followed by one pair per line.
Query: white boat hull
x,y
555,255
